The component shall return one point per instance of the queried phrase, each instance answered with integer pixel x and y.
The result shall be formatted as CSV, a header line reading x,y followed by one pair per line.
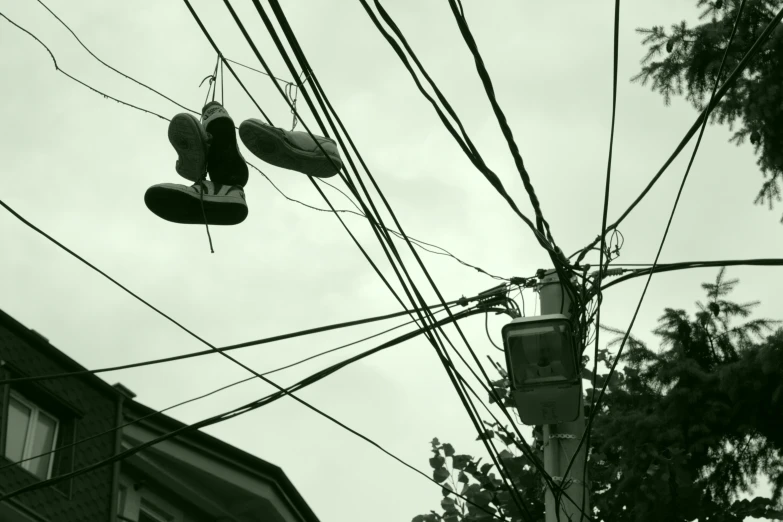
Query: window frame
x,y
35,411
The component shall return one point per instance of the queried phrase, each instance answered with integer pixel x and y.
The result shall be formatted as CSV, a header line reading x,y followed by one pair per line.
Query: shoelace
x,y
202,186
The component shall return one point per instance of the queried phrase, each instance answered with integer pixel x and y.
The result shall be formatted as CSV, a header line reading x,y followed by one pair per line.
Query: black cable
x,y
670,267
314,81
262,62
281,368
718,95
596,403
266,340
604,216
230,69
419,242
109,66
486,328
58,69
486,80
244,409
466,145
297,50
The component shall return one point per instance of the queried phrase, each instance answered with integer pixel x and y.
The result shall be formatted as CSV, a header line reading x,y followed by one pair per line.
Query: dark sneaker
x,y
292,150
223,204
191,142
224,161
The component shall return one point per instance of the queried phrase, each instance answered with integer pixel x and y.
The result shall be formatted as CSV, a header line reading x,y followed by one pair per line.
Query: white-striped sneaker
x,y
224,161
292,150
191,142
222,204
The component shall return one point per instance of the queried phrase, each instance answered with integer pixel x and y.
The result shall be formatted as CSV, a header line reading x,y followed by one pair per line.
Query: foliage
x,y
680,432
755,101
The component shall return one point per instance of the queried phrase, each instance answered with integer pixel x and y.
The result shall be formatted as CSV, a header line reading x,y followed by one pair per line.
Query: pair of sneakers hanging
x,y
210,147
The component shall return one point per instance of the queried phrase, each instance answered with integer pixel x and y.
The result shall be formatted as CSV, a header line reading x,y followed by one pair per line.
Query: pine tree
x,y
755,102
681,431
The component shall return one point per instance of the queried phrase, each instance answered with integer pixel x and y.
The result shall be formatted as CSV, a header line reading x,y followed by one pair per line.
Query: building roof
x,y
229,452
137,409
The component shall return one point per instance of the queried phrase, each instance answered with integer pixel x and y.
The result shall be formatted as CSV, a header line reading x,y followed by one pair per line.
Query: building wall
x,y
85,410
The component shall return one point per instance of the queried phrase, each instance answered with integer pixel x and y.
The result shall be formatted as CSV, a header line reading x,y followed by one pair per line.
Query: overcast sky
x,y
77,165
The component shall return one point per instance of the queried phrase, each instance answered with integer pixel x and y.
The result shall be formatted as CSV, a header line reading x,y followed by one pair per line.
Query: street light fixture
x,y
543,368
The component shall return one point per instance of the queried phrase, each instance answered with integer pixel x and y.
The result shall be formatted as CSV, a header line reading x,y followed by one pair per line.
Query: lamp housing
x,y
543,368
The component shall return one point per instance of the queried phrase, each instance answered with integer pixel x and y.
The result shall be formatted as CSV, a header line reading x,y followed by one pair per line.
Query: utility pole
x,y
561,440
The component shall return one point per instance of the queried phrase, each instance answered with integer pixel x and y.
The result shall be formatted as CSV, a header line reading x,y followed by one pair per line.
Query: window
x,y
31,431
150,513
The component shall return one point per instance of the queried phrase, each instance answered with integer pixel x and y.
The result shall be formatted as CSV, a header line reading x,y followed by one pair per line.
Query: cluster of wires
x,y
382,232
586,297
291,93
353,178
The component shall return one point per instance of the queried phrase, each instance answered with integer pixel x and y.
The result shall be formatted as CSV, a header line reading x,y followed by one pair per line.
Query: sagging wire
x,y
440,350
761,39
418,242
596,402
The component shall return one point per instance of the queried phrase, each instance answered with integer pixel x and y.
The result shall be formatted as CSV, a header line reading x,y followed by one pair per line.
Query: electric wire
x,y
92,88
109,66
212,348
714,100
60,70
360,214
263,63
462,23
604,217
596,403
551,249
246,408
465,144
191,355
670,267
304,93
442,354
305,67
281,368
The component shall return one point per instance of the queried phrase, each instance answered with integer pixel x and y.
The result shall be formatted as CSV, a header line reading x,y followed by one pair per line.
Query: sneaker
x,y
291,150
223,204
191,142
225,164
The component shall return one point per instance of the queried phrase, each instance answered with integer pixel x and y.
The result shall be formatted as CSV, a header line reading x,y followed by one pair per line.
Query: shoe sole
x,y
264,141
185,135
184,208
224,163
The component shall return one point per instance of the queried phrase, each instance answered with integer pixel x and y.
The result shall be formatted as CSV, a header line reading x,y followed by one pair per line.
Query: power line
x,y
440,350
281,368
670,267
464,142
596,404
249,407
223,349
462,23
107,96
467,146
212,348
314,81
718,95
602,269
